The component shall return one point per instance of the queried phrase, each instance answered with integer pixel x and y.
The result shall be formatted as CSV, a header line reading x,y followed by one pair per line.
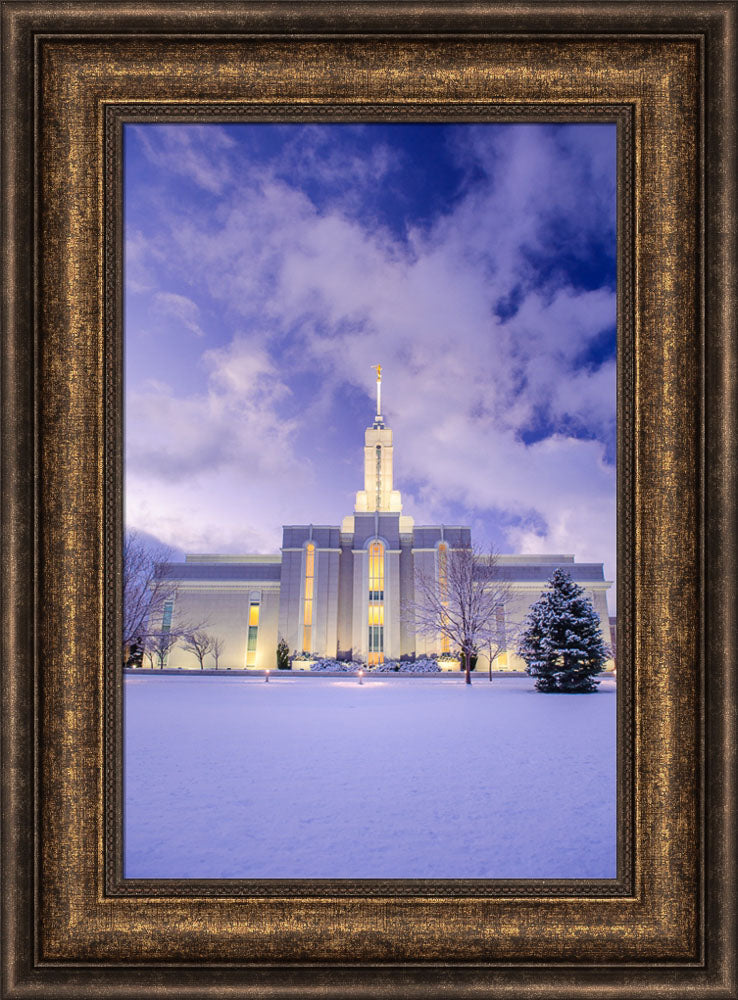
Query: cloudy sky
x,y
267,267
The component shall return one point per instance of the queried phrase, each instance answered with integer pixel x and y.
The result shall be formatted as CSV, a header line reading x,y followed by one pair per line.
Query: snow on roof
x,y
526,572
196,557
224,570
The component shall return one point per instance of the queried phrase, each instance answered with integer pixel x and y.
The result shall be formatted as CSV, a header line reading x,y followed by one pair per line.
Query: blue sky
x,y
267,267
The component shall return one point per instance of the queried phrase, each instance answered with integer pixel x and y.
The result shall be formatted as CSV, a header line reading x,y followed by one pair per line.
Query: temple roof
x,y
248,571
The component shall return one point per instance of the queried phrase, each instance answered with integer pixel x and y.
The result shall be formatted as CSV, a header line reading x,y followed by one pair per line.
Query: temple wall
x,y
345,609
325,636
392,644
407,592
290,591
223,613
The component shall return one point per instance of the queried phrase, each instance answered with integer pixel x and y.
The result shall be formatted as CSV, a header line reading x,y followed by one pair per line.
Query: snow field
x,y
230,777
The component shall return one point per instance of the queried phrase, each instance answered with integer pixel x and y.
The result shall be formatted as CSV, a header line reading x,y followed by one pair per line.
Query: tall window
x,y
443,589
166,618
500,625
166,628
307,614
253,631
376,603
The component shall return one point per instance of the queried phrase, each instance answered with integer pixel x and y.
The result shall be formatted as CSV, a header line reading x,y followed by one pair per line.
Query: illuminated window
x,y
166,618
166,627
253,631
443,589
500,623
307,614
376,604
376,571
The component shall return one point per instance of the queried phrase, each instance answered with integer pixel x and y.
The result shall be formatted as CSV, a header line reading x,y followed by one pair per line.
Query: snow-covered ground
x,y
230,777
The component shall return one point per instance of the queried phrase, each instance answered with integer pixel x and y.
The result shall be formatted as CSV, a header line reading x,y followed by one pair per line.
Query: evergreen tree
x,y
283,655
562,641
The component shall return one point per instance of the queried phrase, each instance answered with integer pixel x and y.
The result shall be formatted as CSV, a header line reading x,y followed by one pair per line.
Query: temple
x,y
340,590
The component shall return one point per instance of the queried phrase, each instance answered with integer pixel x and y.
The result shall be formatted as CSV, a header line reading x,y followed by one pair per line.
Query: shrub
x,y
328,665
283,655
423,666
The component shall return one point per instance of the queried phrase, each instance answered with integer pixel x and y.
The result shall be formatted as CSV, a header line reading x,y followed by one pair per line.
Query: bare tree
x,y
216,648
158,645
146,588
465,606
151,623
505,634
199,643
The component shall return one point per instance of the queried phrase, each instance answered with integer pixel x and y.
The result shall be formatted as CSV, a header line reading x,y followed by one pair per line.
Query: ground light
x,y
266,677
361,677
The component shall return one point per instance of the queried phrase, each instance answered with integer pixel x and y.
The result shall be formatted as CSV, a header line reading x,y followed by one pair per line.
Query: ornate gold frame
x,y
72,72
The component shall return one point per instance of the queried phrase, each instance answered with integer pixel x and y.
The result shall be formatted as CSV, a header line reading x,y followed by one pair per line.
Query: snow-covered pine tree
x,y
562,642
283,655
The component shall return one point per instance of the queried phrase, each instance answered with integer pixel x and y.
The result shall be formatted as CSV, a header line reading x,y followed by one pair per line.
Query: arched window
x,y
307,612
376,604
443,589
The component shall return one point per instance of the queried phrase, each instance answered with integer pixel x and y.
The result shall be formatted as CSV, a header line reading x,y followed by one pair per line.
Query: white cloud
x,y
138,263
179,307
312,156
175,437
195,152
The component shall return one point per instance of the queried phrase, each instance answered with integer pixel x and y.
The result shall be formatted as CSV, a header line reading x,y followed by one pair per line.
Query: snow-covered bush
x,y
423,666
328,665
336,666
388,667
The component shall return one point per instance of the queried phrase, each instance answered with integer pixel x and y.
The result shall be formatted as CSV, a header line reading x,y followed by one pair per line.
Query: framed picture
x,y
320,500
116,111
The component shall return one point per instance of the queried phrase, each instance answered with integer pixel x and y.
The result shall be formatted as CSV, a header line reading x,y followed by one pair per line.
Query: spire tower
x,y
378,419
378,494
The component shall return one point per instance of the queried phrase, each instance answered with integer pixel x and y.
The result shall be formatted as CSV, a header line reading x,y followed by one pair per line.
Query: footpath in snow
x,y
231,777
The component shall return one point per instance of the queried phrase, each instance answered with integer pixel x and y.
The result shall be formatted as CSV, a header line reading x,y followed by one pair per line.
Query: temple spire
x,y
378,494
378,420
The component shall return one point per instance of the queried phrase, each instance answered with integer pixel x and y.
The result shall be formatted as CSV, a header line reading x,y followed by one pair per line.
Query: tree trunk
x,y
467,661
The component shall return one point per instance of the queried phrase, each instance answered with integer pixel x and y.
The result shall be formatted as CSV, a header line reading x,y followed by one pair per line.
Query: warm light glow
x,y
376,604
376,571
300,663
376,614
253,631
307,616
